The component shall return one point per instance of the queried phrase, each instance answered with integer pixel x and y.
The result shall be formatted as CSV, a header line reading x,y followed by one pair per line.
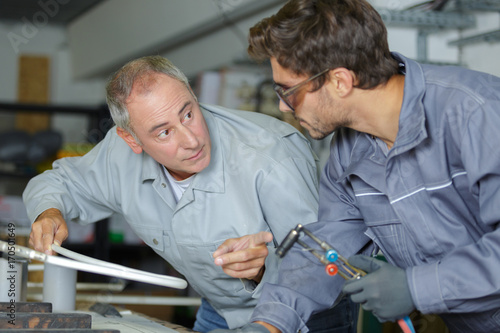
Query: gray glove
x,y
248,328
384,291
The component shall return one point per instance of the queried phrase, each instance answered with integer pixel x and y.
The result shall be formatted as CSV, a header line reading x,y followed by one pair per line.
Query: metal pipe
x,y
59,287
85,286
129,299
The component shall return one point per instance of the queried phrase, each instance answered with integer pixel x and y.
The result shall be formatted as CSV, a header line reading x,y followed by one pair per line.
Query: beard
x,y
318,132
329,116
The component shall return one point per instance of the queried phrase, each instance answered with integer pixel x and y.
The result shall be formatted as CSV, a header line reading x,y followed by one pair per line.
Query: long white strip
x,y
83,258
93,261
110,270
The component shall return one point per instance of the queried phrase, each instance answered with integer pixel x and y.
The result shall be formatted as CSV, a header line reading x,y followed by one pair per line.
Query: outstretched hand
x,y
244,257
384,290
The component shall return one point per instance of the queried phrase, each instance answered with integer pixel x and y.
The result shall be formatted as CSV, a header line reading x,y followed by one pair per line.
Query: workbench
x,y
23,317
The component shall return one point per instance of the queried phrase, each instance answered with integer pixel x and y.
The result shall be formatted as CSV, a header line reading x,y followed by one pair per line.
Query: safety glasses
x,y
286,94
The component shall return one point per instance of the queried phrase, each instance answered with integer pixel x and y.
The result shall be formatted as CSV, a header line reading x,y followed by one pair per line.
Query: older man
x,y
201,185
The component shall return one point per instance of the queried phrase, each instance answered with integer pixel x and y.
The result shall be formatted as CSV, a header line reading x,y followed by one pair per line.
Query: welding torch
x,y
333,261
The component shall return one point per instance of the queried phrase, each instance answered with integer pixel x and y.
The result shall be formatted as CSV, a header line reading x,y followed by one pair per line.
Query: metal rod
x,y
128,299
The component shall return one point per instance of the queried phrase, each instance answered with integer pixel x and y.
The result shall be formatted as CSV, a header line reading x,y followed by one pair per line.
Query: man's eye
x,y
163,134
188,116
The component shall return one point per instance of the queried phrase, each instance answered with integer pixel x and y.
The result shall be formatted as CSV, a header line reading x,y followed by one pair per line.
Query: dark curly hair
x,y
309,36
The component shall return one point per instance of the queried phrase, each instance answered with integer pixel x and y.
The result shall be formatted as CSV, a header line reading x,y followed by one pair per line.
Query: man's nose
x,y
189,139
284,107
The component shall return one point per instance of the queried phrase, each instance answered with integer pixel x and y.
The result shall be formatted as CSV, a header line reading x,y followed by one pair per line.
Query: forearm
x,y
70,191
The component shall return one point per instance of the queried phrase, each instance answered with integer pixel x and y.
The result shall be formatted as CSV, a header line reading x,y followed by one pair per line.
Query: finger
x,y
61,235
352,287
360,298
365,263
262,237
244,266
225,247
48,232
253,240
366,307
36,237
249,270
242,256
243,274
248,241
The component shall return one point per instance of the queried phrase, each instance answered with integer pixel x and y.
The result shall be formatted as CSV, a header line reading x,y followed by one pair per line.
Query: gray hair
x,y
120,85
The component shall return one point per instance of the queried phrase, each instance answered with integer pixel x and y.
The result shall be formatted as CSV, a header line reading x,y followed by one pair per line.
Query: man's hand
x,y
49,228
250,328
384,290
244,257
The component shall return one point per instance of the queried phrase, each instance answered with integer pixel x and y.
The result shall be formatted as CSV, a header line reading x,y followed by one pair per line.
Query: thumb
x,y
60,236
365,263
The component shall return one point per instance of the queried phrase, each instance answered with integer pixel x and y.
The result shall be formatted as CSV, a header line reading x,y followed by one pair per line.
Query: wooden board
x,y
33,88
45,320
25,307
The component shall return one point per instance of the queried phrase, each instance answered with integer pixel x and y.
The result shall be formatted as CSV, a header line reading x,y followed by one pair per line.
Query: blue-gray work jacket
x,y
431,204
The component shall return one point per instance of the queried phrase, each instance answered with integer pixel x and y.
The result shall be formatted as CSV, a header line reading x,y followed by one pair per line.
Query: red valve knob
x,y
331,269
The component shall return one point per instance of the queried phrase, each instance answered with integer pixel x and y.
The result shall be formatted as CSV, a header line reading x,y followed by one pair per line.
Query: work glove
x,y
248,328
384,290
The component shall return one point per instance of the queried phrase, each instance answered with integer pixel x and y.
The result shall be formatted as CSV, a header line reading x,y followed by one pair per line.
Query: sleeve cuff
x,y
270,275
33,214
280,316
425,288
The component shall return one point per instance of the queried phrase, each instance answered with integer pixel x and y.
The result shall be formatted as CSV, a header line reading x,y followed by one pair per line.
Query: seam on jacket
x,y
433,188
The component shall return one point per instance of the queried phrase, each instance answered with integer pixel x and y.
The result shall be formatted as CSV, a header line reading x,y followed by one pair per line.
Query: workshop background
x,y
56,55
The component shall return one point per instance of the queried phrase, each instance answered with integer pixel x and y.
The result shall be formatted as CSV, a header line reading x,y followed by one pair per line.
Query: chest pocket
x,y
206,277
153,237
383,226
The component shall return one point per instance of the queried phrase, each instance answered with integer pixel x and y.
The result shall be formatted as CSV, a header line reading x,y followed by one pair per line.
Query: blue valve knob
x,y
332,255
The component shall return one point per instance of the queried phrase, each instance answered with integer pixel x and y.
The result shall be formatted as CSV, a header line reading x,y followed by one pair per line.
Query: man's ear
x,y
129,139
343,80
